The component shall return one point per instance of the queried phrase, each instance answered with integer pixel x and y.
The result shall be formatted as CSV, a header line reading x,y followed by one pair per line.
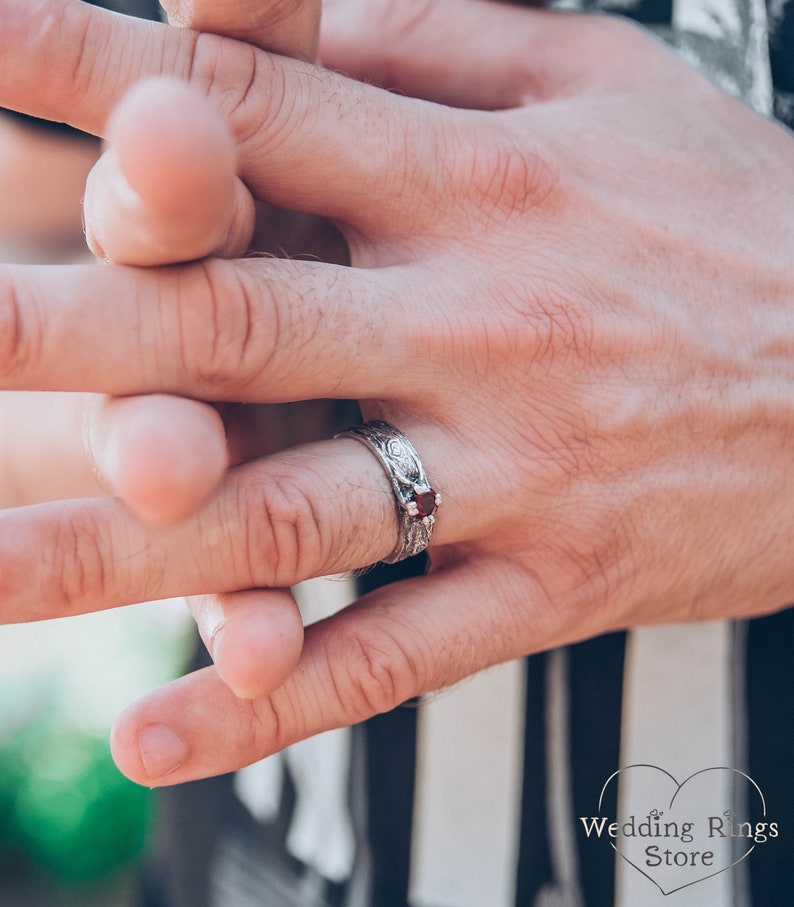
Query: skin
x,y
163,455
172,194
569,289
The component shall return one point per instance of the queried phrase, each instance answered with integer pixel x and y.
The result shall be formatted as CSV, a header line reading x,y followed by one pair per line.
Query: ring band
x,y
417,502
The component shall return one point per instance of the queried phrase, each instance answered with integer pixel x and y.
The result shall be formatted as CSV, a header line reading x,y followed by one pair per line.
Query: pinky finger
x,y
400,641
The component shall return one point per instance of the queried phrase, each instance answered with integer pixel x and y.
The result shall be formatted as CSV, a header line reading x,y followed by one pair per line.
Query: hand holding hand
x,y
573,300
176,198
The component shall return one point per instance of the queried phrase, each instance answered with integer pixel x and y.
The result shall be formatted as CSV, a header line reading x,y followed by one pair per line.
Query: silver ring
x,y
417,502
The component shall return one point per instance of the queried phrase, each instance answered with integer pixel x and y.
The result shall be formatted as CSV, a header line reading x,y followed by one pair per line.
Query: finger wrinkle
x,y
78,550
214,635
239,110
221,345
264,733
233,75
279,112
369,666
85,60
294,528
21,327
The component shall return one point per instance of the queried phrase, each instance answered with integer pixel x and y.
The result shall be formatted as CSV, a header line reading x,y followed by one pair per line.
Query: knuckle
x,y
269,729
507,176
21,330
563,329
15,581
275,12
618,32
80,554
235,76
222,333
371,669
586,41
551,327
616,37
273,536
293,527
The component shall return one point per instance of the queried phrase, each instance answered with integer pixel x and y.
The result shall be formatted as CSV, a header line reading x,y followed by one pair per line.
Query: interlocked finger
x,y
251,331
167,190
285,114
310,511
410,638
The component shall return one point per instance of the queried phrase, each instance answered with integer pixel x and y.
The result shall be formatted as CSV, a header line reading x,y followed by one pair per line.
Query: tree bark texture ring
x,y
417,502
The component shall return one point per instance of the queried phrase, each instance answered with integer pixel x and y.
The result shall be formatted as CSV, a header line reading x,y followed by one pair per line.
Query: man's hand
x,y
574,300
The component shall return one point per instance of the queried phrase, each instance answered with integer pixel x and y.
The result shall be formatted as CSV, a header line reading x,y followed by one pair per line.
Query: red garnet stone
x,y
425,503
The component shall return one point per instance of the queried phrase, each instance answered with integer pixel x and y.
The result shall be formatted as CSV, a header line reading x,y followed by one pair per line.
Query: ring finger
x,y
309,511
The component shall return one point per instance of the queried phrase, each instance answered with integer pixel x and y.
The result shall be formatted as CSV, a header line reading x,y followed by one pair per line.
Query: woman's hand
x,y
166,191
177,198
574,299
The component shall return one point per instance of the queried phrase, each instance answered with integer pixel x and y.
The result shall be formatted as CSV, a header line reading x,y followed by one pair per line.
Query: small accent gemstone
x,y
425,503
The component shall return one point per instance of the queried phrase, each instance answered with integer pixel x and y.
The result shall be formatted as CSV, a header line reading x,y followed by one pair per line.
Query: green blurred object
x,y
68,808
71,826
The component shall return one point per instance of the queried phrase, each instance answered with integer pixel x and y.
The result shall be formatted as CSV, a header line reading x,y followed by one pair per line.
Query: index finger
x,y
243,331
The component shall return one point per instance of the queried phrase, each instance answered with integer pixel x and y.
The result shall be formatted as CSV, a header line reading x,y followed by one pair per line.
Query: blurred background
x,y
73,830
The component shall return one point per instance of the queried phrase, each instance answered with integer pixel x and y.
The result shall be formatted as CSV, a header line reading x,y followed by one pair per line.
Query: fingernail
x,y
174,11
161,750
